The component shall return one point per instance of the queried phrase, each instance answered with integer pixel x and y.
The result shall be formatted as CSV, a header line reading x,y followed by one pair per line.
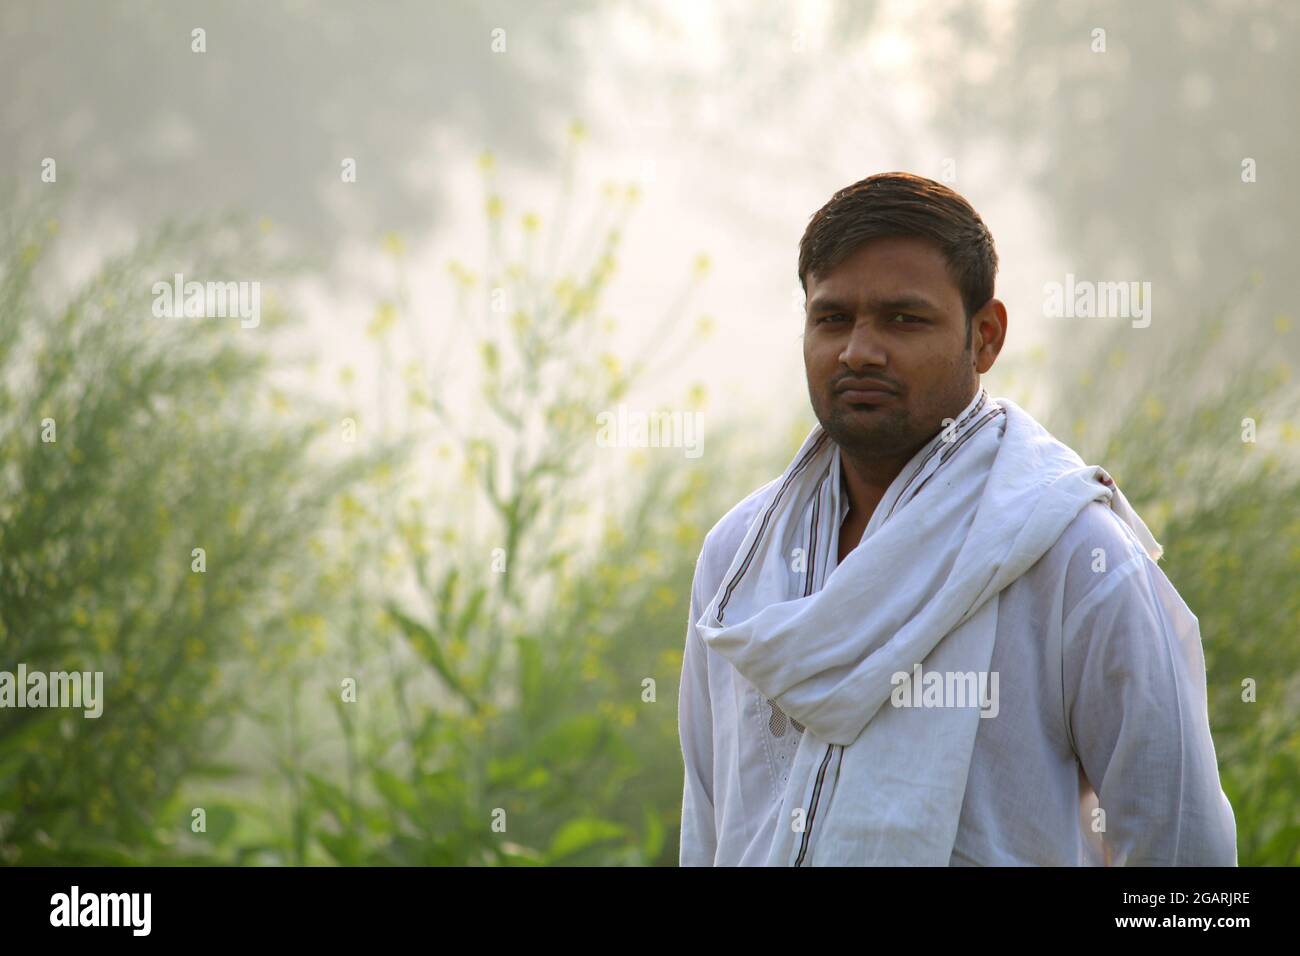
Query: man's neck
x,y
865,483
865,479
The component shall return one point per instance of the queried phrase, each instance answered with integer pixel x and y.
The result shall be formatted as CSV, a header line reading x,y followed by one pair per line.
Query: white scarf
x,y
972,511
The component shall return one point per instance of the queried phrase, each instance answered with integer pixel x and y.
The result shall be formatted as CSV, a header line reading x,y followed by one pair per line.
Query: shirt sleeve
x,y
695,728
1134,689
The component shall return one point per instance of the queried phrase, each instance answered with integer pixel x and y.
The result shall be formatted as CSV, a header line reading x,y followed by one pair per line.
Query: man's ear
x,y
988,333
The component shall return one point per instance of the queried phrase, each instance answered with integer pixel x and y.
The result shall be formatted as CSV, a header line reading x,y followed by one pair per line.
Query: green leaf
x,y
221,820
653,843
394,789
581,834
424,642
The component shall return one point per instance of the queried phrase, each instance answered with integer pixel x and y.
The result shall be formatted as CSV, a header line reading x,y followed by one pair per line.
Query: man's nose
x,y
863,347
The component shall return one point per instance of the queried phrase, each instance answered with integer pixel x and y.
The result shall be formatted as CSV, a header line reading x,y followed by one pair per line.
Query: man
x,y
938,638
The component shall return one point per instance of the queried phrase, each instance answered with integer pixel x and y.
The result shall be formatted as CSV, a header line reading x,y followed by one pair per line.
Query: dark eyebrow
x,y
901,303
823,303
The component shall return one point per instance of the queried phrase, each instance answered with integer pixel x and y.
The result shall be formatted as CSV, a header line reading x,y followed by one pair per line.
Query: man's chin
x,y
865,427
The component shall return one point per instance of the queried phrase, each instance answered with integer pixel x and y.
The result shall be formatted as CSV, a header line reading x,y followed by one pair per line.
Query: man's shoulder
x,y
1098,526
1096,553
726,534
724,538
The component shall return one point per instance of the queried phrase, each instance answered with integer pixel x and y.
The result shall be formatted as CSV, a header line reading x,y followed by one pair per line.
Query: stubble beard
x,y
864,434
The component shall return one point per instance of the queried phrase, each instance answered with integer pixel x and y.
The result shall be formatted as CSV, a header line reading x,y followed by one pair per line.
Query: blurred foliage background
x,y
431,604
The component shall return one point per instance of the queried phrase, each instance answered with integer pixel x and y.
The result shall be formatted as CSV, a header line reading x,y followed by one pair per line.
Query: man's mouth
x,y
866,395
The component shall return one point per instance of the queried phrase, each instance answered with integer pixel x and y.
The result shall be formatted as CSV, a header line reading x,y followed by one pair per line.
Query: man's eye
x,y
833,317
908,319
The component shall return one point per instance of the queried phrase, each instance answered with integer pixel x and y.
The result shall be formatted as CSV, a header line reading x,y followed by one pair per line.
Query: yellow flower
x,y
1155,409
531,222
1282,324
394,245
486,161
702,264
265,224
697,395
494,206
705,325
577,131
351,507
385,318
461,274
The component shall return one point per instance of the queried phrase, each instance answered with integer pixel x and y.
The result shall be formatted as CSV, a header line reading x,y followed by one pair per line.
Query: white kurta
x,y
1102,699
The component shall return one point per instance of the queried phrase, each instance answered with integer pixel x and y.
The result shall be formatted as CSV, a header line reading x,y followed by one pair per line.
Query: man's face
x,y
888,316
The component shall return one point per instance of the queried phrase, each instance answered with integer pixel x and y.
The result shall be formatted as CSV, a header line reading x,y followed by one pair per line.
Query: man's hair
x,y
901,204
